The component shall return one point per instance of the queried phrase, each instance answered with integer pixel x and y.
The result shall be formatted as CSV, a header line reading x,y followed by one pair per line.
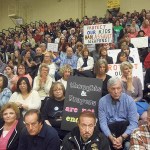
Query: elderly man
x,y
85,136
117,115
140,138
38,135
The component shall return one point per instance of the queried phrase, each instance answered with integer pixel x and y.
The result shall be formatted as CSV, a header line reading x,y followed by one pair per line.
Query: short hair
x,y
27,82
43,65
22,66
13,106
51,92
5,81
98,64
85,49
64,68
87,114
34,111
112,81
42,44
126,63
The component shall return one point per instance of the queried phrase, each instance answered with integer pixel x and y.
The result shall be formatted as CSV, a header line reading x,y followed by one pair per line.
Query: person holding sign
x,y
117,115
85,136
133,87
52,110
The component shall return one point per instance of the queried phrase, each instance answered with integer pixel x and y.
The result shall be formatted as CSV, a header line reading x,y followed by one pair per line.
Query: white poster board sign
x,y
52,47
114,70
99,33
140,42
133,53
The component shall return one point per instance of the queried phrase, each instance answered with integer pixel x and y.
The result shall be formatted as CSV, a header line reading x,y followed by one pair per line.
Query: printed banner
x,y
140,42
53,47
113,4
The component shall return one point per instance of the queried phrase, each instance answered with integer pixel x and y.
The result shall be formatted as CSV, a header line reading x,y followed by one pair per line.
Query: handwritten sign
x,y
114,70
81,94
52,47
113,4
133,53
100,33
140,42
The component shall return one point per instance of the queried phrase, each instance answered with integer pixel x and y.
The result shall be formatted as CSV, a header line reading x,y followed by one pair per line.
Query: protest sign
x,y
99,33
140,42
113,4
52,47
133,53
81,94
114,70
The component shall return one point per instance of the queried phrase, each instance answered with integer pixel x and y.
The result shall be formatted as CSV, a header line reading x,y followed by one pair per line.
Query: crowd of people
x,y
33,81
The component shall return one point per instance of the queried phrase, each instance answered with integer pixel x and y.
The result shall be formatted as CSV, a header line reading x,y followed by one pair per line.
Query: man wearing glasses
x,y
37,135
85,136
140,138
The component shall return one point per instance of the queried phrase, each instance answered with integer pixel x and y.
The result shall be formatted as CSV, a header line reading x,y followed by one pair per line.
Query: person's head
x,y
33,121
44,69
38,51
3,82
79,46
126,68
62,39
126,49
85,52
102,51
122,56
21,70
57,91
86,124
10,112
9,70
43,47
66,71
47,57
148,116
28,46
69,52
114,87
141,33
16,53
23,85
27,54
101,67
73,40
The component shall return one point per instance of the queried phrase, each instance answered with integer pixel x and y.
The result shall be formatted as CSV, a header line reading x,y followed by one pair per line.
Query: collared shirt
x,y
72,61
123,110
47,139
140,138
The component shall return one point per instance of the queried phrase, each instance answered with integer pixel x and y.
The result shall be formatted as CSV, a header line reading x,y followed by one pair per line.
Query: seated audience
x,y
5,92
25,97
10,127
101,68
85,64
117,115
85,136
37,134
53,108
140,138
122,56
65,72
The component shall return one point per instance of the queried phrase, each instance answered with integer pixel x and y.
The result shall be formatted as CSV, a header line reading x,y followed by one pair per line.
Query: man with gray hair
x,y
117,115
140,138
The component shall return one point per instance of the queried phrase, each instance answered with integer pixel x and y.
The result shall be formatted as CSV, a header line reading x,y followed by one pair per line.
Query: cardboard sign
x,y
100,33
113,4
140,42
137,71
53,47
133,53
81,94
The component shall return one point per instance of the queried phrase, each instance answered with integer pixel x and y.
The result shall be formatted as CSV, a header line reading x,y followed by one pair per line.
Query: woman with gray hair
x,y
100,69
66,71
132,85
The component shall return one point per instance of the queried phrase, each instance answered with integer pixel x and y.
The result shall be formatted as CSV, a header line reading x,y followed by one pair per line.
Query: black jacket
x,y
73,141
14,138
